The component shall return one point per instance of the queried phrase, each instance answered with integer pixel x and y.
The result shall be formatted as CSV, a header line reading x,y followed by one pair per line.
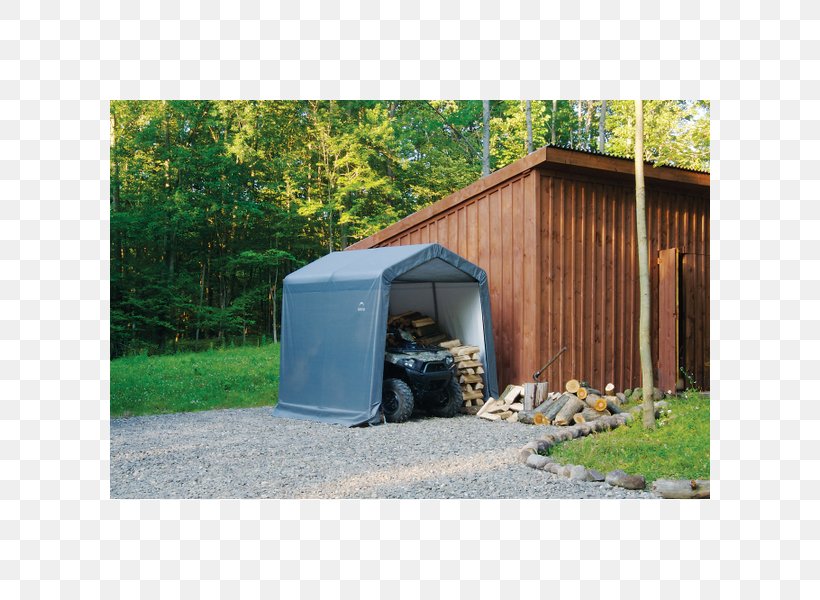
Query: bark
x,y
602,127
643,273
529,125
485,159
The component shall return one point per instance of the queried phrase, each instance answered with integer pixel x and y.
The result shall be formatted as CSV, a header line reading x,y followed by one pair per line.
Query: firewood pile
x,y
531,403
423,329
470,373
469,367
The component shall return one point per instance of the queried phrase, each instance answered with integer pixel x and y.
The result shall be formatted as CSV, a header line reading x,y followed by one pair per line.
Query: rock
x,y
621,479
524,454
543,446
621,396
627,392
579,473
595,475
552,468
566,471
530,445
657,394
536,461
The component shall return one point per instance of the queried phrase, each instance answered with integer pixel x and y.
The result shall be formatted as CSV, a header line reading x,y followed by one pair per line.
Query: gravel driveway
x,y
250,454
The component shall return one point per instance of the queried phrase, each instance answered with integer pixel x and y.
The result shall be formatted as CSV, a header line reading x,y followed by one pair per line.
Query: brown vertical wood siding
x,y
589,284
557,239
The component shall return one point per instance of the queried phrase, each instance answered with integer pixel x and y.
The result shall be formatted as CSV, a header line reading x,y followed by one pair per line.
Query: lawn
x,y
677,449
229,378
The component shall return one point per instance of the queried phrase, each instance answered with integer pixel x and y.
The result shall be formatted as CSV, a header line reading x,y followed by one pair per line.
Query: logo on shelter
x,y
361,307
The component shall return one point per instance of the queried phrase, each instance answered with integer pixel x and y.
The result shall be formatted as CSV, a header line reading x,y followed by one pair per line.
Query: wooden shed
x,y
555,232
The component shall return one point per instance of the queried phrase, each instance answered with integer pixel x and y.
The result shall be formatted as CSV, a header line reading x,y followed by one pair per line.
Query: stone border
x,y
529,454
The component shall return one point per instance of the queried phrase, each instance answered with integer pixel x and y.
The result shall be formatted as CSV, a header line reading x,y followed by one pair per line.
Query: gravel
x,y
248,453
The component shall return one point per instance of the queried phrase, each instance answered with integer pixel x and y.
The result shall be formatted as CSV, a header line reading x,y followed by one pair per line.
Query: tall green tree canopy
x,y
214,202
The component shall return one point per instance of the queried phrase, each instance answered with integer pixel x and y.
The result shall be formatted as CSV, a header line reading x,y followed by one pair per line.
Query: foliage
x,y
213,203
230,378
678,448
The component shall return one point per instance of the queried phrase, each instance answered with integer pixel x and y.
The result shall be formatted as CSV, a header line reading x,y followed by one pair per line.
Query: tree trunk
x,y
554,110
529,125
602,127
682,489
485,160
645,346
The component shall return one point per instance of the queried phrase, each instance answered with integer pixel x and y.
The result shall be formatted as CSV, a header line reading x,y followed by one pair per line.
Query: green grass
x,y
230,378
677,449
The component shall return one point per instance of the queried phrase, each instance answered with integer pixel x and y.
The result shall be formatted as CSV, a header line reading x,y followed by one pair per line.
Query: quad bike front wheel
x,y
450,401
397,401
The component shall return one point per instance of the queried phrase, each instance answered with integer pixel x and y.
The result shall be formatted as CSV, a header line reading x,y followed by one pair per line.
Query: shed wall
x,y
558,245
589,275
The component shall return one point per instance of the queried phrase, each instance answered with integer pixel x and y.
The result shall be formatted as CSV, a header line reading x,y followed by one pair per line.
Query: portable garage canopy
x,y
334,323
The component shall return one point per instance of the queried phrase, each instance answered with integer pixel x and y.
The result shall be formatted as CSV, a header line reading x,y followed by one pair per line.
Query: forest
x,y
213,203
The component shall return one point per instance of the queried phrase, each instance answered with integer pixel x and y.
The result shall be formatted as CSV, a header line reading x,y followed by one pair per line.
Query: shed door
x,y
668,322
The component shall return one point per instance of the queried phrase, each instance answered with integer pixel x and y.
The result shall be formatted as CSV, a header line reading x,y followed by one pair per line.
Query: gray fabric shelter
x,y
334,322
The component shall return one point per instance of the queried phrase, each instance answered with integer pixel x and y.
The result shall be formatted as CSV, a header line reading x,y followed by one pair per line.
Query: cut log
x,y
572,386
556,406
541,390
539,419
529,396
578,418
506,391
612,405
609,389
462,350
544,406
590,414
467,371
512,394
516,406
487,405
422,322
450,344
504,414
479,401
489,416
469,379
480,370
513,418
401,316
472,395
682,489
467,387
478,386
469,364
564,416
476,356
582,393
595,401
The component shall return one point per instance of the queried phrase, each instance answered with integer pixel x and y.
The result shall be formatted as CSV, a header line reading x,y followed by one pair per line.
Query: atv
x,y
417,376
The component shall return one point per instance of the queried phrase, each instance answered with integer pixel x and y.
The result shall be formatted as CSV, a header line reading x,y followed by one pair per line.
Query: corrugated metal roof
x,y
623,157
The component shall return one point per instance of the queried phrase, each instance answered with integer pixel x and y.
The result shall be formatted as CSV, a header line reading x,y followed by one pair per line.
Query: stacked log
x,y
470,373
